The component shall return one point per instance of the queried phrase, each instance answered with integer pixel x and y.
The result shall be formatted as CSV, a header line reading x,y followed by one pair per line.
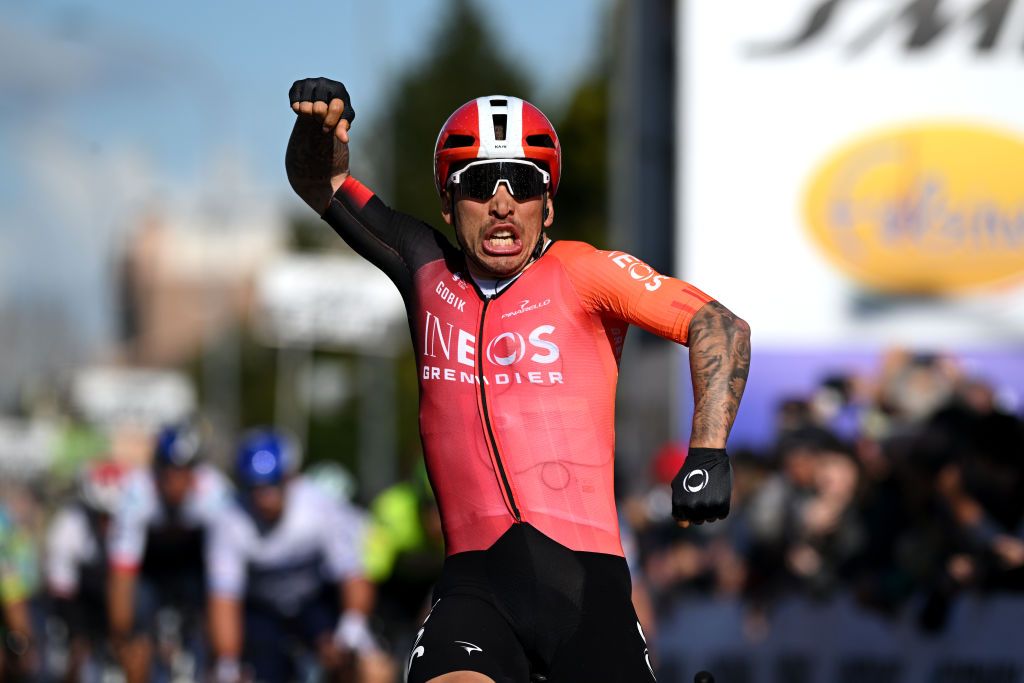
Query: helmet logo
x,y
185,449
263,462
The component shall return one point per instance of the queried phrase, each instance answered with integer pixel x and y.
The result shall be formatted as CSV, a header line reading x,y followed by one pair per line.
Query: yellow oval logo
x,y
930,208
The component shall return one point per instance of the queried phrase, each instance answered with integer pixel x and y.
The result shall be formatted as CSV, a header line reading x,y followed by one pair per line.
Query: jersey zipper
x,y
487,417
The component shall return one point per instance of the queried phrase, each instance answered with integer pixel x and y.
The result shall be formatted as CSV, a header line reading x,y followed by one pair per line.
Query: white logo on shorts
x,y
417,649
647,653
470,648
701,477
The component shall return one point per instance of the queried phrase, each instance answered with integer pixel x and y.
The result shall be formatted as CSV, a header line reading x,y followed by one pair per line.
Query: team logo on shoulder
x,y
637,269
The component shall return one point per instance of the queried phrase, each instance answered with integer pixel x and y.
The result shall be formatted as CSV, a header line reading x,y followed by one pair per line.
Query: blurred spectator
x,y
980,488
791,519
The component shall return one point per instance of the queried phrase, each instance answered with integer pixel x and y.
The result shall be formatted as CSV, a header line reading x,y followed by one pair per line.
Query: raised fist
x,y
326,101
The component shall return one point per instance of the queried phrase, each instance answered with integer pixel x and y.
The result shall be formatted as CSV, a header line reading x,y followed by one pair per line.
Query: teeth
x,y
502,241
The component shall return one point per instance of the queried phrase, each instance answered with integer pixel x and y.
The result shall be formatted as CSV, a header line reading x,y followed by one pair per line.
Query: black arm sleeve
x,y
396,243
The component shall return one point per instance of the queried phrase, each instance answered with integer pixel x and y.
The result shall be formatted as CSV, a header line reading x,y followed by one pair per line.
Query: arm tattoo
x,y
313,159
719,362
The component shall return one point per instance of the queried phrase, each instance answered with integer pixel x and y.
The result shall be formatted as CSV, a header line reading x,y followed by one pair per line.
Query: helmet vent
x,y
500,123
458,141
540,141
499,103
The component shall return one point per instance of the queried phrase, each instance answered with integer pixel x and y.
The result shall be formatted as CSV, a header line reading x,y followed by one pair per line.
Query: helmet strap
x,y
455,224
538,248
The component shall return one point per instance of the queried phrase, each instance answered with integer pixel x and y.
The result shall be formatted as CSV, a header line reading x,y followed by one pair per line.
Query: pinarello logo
x,y
926,208
525,306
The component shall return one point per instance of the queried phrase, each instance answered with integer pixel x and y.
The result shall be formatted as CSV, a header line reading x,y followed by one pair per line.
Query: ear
x,y
549,211
446,208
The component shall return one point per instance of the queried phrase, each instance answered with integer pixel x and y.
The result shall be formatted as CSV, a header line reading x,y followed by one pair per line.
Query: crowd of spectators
x,y
902,489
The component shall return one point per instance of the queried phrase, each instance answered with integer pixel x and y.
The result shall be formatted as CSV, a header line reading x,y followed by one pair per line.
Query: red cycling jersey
x,y
517,390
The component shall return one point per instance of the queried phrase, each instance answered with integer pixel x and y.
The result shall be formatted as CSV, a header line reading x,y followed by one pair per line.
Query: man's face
x,y
173,484
268,502
498,234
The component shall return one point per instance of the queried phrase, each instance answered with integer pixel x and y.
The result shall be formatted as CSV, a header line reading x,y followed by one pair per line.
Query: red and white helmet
x,y
100,485
497,127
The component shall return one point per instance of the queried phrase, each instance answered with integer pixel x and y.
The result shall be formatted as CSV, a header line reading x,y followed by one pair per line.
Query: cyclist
x,y
156,547
76,562
285,567
19,656
518,338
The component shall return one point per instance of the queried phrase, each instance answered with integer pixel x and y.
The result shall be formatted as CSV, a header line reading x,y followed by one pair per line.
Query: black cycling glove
x,y
703,486
321,90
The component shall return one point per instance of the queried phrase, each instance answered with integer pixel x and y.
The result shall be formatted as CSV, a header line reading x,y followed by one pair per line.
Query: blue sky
x,y
106,104
178,78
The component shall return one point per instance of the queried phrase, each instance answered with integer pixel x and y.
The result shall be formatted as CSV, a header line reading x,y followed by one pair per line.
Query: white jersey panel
x,y
512,146
69,545
140,510
318,539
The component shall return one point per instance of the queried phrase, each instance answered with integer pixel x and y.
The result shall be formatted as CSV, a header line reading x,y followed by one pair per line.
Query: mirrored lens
x,y
481,181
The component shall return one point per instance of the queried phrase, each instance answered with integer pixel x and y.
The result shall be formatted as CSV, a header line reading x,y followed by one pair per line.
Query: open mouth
x,y
502,240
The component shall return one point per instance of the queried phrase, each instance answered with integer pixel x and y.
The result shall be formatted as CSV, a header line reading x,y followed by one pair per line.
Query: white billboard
x,y
147,397
26,446
852,171
330,301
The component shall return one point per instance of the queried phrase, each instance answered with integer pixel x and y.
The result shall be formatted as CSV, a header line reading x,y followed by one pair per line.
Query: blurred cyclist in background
x,y
518,339
156,547
286,574
19,656
77,563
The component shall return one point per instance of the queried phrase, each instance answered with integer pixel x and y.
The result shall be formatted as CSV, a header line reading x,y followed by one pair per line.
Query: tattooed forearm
x,y
317,163
719,362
